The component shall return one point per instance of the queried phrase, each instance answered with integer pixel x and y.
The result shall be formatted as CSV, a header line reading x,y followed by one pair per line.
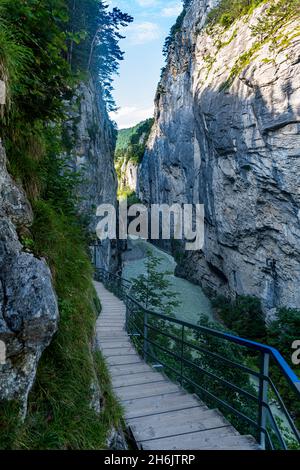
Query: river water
x,y
194,302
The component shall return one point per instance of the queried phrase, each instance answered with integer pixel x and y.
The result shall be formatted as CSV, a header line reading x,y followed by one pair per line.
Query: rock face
x,y
91,138
28,306
128,179
226,134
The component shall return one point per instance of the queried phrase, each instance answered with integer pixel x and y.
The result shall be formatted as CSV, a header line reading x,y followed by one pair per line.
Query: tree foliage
x,y
152,289
131,143
244,316
93,40
227,11
282,333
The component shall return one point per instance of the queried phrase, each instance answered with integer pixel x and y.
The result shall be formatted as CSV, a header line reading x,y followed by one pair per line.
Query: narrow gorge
x,y
122,342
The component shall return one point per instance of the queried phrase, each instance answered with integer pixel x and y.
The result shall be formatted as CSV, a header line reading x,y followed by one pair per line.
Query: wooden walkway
x,y
159,413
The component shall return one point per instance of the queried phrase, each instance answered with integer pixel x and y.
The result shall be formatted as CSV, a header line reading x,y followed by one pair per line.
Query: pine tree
x,y
152,289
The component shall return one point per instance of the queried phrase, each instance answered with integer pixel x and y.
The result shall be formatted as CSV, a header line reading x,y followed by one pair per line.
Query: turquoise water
x,y
194,302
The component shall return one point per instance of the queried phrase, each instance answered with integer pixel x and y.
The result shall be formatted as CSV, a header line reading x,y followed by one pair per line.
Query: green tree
x,y
244,316
93,41
282,333
284,330
152,289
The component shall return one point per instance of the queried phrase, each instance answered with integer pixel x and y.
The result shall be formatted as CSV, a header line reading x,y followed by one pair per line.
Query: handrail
x,y
284,366
265,384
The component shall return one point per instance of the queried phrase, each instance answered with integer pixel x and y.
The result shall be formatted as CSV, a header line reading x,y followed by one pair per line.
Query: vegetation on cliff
x,y
130,148
131,143
269,28
228,11
46,49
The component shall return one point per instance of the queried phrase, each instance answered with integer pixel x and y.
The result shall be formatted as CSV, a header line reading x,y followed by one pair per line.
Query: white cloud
x,y
141,33
173,9
147,3
129,116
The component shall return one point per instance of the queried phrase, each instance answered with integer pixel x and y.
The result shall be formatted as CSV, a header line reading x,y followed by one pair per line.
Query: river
x,y
194,302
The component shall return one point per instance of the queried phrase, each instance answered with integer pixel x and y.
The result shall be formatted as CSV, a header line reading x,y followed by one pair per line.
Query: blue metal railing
x,y
188,354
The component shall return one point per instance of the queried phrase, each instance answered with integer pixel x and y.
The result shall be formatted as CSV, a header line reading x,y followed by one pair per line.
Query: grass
x,y
14,60
59,414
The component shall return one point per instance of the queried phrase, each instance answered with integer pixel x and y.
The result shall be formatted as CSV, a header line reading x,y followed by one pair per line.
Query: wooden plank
x,y
114,336
176,422
240,443
160,414
148,406
108,344
196,440
136,379
110,328
108,352
148,390
129,369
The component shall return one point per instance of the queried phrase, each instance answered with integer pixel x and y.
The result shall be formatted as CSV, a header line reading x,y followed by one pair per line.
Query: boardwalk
x,y
160,414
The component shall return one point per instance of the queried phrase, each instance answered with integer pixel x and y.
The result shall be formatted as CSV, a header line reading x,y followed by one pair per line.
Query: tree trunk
x,y
92,49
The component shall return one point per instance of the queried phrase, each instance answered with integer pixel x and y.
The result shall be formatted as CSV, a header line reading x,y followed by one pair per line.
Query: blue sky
x,y
140,71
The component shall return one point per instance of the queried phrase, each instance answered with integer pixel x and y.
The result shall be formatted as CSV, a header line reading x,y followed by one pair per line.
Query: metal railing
x,y
225,370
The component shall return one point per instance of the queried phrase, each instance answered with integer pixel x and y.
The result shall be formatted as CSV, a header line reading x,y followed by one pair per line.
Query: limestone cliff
x,y
91,139
226,134
128,171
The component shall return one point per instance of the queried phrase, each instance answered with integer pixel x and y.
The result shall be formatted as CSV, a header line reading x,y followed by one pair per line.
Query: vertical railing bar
x,y
263,396
145,335
276,428
182,353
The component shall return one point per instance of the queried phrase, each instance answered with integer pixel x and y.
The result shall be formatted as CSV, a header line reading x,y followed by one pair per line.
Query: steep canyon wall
x,y
226,135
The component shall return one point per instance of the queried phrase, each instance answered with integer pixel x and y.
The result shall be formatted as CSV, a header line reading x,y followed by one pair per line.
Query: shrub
x,y
243,316
228,11
282,331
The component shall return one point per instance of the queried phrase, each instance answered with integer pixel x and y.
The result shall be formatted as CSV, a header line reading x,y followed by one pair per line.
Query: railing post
x,y
95,256
263,397
181,355
127,318
145,335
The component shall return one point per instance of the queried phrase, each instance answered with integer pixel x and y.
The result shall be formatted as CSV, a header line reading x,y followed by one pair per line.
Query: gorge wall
x,y
91,140
226,135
